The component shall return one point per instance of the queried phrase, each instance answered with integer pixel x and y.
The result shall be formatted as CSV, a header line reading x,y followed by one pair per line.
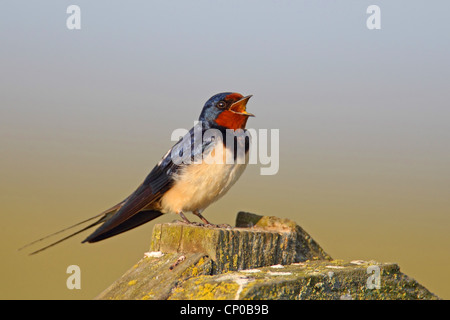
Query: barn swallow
x,y
174,187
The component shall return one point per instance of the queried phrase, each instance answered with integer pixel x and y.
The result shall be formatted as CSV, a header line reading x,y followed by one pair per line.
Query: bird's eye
x,y
221,104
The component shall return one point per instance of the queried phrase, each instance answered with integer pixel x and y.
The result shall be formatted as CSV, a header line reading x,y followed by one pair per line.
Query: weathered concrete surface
x,y
262,258
155,277
303,245
268,242
304,281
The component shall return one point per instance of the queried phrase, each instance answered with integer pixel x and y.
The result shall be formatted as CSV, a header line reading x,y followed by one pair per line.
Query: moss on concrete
x,y
309,280
270,241
154,277
262,258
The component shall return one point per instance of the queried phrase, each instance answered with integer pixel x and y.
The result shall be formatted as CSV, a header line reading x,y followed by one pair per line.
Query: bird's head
x,y
226,109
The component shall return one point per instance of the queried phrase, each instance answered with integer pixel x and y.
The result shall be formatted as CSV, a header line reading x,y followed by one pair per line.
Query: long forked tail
x,y
102,233
104,216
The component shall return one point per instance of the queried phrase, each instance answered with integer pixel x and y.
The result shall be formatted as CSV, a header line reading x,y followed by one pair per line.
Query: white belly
x,y
198,185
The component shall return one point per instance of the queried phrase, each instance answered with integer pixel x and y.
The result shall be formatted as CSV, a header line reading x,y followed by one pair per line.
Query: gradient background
x,y
363,118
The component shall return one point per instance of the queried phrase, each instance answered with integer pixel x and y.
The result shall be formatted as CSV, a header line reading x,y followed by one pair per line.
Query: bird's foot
x,y
208,224
222,225
205,225
190,223
185,220
198,224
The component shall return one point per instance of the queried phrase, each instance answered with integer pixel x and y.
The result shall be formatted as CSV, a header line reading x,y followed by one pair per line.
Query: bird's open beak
x,y
239,107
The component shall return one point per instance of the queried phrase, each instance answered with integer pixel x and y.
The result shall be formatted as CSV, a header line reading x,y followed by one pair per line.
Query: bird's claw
x,y
206,225
221,226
